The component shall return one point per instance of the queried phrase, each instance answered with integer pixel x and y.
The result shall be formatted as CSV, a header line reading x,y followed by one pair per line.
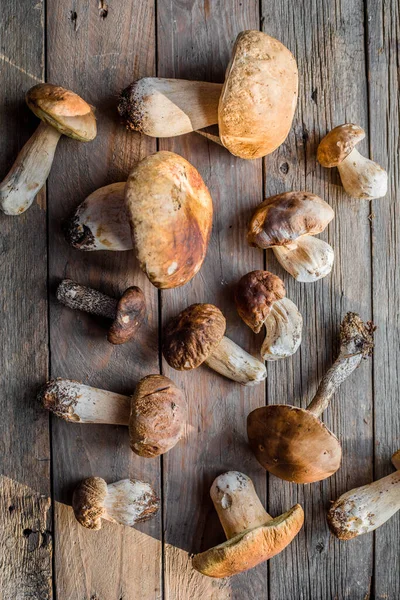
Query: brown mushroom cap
x,y
158,414
131,312
338,144
281,219
191,336
251,547
255,294
88,502
292,443
64,110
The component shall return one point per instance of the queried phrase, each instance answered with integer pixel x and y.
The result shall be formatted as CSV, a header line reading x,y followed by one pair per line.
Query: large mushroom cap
x,y
88,502
131,312
171,211
191,336
338,144
281,219
64,110
259,96
251,547
292,443
255,294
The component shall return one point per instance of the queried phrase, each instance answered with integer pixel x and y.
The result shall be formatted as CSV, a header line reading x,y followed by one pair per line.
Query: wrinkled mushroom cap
x,y
292,443
191,336
338,144
158,415
64,110
131,312
88,502
255,294
281,219
251,547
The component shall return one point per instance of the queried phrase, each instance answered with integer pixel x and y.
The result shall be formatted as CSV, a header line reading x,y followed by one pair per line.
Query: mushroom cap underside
x,y
338,143
131,312
255,294
88,502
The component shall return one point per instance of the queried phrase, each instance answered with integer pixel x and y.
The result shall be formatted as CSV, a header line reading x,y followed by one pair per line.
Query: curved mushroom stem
x,y
356,343
307,259
283,330
129,501
80,297
233,362
30,170
362,177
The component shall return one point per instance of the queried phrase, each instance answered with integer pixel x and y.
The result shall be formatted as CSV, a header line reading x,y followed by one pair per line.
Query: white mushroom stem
x,y
78,403
30,170
283,330
233,362
307,259
237,503
362,177
129,501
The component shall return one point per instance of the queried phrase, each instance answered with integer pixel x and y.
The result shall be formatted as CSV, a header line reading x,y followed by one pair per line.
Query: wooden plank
x,y
97,54
383,20
327,40
195,43
25,516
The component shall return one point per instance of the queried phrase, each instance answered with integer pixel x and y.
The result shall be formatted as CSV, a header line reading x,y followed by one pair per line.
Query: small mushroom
x,y
253,536
196,335
125,502
366,508
127,313
260,300
292,443
62,113
156,413
361,177
287,223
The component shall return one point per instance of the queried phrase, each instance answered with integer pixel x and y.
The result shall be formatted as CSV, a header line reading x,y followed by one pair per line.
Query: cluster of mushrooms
x,y
164,212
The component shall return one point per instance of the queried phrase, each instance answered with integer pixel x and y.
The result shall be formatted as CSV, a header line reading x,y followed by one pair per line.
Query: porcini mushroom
x,y
127,313
292,443
62,113
287,223
361,177
170,211
196,335
253,536
261,300
125,502
155,414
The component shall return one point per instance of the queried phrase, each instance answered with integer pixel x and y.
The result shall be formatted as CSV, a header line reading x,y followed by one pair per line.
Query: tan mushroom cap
x,y
251,547
255,294
131,312
64,110
281,219
191,336
88,502
292,443
338,144
259,96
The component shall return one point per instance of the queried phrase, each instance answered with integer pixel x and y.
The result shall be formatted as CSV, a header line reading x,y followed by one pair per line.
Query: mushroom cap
x,y
255,294
338,144
191,336
292,443
281,219
64,110
170,211
158,415
88,502
131,312
251,547
259,96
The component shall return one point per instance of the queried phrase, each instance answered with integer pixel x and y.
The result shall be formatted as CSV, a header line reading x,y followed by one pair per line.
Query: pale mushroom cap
x,y
338,144
259,96
251,547
255,294
88,502
64,110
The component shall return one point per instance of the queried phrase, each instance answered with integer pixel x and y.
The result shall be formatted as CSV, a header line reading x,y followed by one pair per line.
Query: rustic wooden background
x,y
348,57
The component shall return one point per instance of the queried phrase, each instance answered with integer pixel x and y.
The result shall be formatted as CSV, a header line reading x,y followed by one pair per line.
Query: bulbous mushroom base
x,y
310,258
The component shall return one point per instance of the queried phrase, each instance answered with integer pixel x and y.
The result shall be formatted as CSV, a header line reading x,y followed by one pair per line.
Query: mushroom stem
x,y
283,330
30,170
362,177
307,259
129,501
356,343
80,297
233,362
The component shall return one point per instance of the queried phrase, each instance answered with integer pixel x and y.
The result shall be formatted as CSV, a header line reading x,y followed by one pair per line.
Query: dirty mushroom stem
x,y
232,361
80,297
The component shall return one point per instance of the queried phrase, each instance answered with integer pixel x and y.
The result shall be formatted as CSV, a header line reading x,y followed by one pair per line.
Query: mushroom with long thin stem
x,y
62,113
253,536
292,443
196,335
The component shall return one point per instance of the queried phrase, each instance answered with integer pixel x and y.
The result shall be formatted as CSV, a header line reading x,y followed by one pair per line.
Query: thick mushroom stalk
x,y
362,177
307,260
366,508
283,330
253,535
231,361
